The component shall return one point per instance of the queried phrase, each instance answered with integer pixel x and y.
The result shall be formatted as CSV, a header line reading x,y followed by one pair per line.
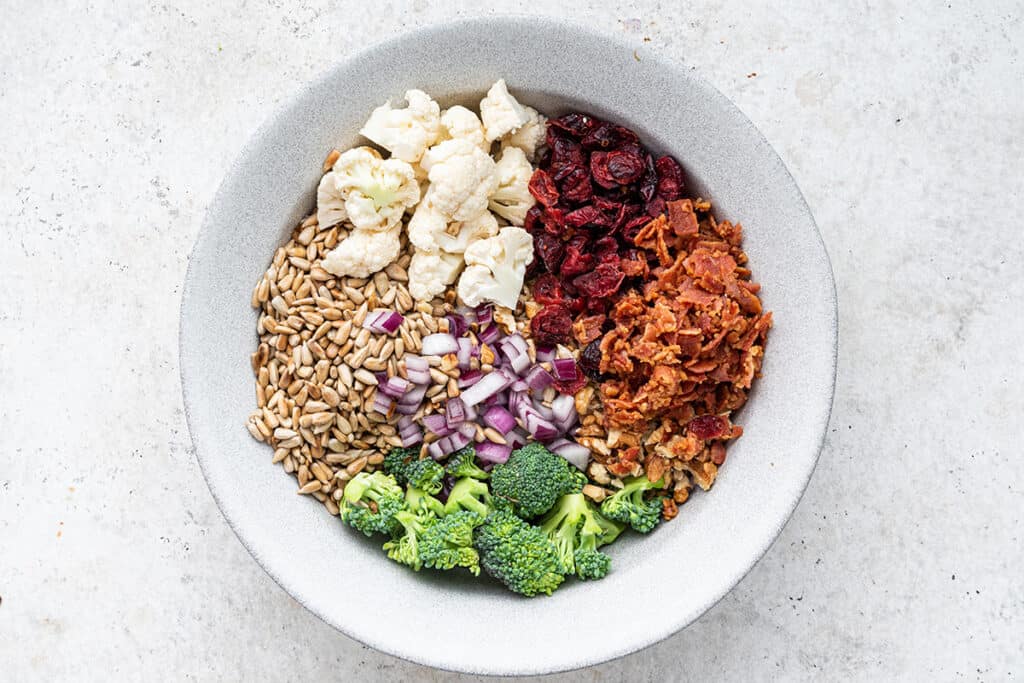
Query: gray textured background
x,y
903,123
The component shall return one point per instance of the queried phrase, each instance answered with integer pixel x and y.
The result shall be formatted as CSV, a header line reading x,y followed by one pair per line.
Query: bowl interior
x,y
674,573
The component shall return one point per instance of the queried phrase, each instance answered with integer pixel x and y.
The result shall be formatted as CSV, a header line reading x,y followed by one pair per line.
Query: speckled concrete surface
x,y
902,122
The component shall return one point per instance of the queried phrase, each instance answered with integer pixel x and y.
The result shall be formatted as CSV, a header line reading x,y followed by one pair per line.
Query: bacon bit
x,y
588,328
682,218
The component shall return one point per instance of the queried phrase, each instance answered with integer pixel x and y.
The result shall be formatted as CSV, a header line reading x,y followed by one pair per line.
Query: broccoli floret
x,y
518,554
397,460
533,478
448,542
469,494
418,499
629,507
425,474
463,464
404,547
577,529
371,502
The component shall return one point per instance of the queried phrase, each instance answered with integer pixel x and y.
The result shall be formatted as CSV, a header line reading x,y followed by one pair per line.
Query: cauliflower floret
x,y
330,202
430,231
364,252
530,136
376,192
501,113
495,268
430,274
512,199
459,122
406,133
462,178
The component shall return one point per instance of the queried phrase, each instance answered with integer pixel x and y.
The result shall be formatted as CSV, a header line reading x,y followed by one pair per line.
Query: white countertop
x,y
903,124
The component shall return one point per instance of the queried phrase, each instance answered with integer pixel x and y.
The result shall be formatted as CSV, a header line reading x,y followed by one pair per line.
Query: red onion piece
x,y
492,383
489,334
436,450
575,453
500,419
454,412
541,429
405,422
437,424
484,315
465,353
517,438
545,353
456,441
382,404
385,322
393,387
469,378
413,397
457,324
439,344
563,407
538,378
494,453
564,369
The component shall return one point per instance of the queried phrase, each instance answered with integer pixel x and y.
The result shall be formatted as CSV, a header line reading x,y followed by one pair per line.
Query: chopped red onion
x,y
575,453
492,383
393,387
467,429
454,412
545,353
457,324
465,352
520,385
418,369
456,441
437,450
439,344
500,419
490,452
404,422
382,404
411,438
538,378
540,429
484,315
469,378
489,334
517,438
557,443
564,407
384,322
517,357
406,410
413,397
437,424
564,369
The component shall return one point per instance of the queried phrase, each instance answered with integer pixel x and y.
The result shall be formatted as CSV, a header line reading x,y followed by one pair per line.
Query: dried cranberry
x,y
545,157
604,247
543,188
550,251
551,325
579,241
585,215
707,426
571,386
554,220
576,124
576,262
532,223
609,136
615,168
655,207
670,178
632,227
649,181
602,282
565,152
576,186
576,305
590,360
548,290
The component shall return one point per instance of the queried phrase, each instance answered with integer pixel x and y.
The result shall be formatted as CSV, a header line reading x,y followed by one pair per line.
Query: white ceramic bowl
x,y
660,582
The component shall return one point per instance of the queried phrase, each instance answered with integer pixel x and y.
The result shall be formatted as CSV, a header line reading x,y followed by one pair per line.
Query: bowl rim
x,y
693,79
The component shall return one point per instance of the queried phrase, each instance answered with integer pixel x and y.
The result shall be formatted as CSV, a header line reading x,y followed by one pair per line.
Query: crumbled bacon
x,y
684,349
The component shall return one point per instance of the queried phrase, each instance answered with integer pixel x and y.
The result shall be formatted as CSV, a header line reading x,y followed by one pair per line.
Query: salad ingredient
x,y
532,480
518,554
530,136
430,274
408,132
371,502
629,506
577,530
425,475
462,177
461,123
383,321
376,191
404,546
431,231
501,113
512,199
330,202
463,464
495,268
447,542
469,494
363,252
